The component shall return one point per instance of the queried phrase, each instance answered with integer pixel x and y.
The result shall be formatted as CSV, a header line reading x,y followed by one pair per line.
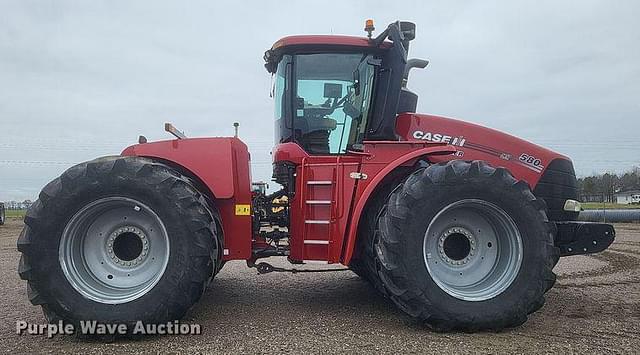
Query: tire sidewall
x,y
153,306
527,219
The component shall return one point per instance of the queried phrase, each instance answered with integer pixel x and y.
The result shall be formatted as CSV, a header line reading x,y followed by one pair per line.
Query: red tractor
x,y
459,225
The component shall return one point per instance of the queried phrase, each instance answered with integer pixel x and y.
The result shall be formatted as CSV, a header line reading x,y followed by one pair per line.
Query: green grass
x,y
15,213
609,206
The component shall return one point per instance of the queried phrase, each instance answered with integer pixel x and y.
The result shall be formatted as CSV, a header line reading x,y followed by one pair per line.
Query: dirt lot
x,y
594,307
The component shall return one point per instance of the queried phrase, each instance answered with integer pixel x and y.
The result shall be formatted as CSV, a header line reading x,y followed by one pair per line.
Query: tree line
x,y
601,187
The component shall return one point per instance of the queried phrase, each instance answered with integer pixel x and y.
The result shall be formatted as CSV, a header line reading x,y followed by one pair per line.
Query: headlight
x,y
572,206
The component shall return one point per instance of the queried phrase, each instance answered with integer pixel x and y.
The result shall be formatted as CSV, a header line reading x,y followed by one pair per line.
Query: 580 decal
x,y
531,162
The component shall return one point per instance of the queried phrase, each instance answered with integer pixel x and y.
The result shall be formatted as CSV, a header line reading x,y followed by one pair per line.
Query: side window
x,y
280,88
281,94
363,77
278,94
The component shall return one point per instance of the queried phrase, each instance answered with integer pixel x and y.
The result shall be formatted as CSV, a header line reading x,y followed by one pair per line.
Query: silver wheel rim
x,y
473,250
114,250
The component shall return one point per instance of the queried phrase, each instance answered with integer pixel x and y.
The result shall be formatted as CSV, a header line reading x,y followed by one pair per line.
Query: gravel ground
x,y
594,308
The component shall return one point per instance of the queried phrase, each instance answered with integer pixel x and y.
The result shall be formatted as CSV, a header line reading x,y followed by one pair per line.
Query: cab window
x,y
331,100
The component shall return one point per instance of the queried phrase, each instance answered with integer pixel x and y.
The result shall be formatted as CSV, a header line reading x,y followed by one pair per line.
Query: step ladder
x,y
318,211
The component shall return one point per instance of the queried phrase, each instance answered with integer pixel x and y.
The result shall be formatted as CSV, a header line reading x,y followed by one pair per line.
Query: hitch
x,y
265,268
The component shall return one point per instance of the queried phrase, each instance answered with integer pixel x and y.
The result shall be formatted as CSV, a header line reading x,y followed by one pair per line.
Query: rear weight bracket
x,y
579,238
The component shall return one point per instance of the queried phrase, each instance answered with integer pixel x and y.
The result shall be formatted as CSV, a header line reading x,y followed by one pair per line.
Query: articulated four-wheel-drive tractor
x,y
459,225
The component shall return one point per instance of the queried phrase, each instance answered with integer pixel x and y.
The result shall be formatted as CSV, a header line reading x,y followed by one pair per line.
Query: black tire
x,y
400,250
193,249
364,262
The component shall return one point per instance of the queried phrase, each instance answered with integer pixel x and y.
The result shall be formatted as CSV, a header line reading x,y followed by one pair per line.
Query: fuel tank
x,y
550,174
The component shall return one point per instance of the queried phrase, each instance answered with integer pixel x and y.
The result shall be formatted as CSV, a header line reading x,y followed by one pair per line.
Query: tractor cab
x,y
333,92
333,97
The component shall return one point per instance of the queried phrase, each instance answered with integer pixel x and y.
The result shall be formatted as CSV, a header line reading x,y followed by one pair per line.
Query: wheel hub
x,y
128,246
457,246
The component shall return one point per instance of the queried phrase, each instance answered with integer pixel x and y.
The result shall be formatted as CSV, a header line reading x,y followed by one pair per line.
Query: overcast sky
x,y
81,79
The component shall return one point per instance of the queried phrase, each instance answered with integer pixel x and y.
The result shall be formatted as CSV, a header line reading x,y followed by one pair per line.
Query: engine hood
x,y
525,160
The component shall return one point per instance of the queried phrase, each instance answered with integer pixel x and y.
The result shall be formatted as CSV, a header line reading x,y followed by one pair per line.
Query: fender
x,y
222,166
434,149
198,155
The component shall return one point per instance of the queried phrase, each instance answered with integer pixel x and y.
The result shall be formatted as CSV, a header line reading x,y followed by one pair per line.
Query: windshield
x,y
331,98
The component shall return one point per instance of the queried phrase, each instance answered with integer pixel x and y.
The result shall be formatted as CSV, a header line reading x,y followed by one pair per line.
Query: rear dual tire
x,y
462,245
364,262
118,240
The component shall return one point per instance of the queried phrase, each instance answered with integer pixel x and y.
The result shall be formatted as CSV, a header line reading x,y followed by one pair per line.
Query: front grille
x,y
557,184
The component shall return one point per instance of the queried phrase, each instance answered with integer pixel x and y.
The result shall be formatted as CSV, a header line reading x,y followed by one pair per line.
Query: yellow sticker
x,y
243,210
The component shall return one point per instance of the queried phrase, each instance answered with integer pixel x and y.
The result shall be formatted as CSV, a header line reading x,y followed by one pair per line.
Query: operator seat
x,y
314,127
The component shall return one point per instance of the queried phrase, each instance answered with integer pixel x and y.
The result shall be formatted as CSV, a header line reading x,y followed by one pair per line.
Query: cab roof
x,y
318,43
328,40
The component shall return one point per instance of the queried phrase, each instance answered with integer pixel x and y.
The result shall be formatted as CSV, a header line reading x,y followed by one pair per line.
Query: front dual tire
x,y
118,240
462,245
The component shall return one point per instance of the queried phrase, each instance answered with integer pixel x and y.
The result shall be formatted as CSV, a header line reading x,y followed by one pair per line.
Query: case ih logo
x,y
440,138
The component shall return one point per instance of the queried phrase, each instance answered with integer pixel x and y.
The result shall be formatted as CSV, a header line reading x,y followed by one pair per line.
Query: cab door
x,y
320,209
331,96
